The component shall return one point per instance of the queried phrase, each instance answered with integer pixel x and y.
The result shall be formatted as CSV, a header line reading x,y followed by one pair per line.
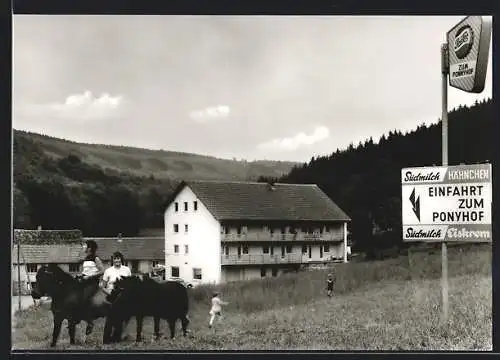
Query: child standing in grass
x,y
329,285
216,309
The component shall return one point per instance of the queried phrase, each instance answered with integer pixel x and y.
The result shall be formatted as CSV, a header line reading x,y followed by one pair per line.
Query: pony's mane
x,y
59,272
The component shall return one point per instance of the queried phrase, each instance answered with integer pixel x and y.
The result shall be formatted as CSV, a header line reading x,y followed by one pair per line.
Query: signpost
x,y
443,204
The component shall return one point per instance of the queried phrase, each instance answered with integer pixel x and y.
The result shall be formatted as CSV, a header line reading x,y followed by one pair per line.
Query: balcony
x,y
263,259
267,236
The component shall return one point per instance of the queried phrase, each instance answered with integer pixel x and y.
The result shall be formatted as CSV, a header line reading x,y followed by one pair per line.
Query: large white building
x,y
219,231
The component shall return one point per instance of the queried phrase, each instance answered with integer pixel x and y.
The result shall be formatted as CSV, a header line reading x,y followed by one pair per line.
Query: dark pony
x,y
65,292
133,296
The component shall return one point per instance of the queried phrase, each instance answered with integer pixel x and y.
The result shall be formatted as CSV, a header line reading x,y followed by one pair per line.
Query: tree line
x,y
364,180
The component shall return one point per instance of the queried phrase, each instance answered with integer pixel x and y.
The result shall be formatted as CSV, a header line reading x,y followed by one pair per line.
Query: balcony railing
x,y
267,236
263,259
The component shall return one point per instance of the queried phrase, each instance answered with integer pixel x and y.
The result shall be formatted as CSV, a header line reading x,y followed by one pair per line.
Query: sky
x,y
245,87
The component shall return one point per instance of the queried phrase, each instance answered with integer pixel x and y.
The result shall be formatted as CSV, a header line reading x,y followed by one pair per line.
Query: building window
x,y
265,249
288,249
186,228
174,271
239,230
283,230
245,249
271,230
176,206
327,229
186,249
321,251
135,266
197,273
185,206
263,272
292,230
264,228
176,249
155,263
327,248
74,267
176,228
226,250
32,284
32,268
304,249
274,272
195,205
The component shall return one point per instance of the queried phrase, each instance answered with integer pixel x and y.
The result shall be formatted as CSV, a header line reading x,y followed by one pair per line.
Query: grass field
x,y
385,305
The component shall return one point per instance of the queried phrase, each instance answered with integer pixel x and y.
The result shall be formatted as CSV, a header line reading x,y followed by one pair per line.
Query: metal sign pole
x,y
19,273
444,125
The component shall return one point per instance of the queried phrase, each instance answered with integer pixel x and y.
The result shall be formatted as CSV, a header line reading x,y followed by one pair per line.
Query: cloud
x,y
83,106
299,140
212,113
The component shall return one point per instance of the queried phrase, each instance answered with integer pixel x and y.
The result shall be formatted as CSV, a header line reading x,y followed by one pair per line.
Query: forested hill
x,y
365,180
159,163
104,190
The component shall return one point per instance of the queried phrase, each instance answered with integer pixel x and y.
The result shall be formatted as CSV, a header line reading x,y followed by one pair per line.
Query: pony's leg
x,y
185,323
157,328
139,320
72,330
90,327
58,319
171,325
118,330
108,331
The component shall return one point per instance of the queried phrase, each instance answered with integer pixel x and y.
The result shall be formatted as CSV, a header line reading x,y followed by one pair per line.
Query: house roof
x,y
132,248
236,200
45,254
143,248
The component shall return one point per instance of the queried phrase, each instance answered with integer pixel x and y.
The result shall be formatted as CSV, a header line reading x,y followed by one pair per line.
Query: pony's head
x,y
125,286
49,280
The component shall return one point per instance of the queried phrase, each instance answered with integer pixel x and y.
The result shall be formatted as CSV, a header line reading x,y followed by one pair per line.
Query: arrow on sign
x,y
415,203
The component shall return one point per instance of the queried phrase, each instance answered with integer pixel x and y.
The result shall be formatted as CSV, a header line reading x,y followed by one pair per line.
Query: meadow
x,y
390,305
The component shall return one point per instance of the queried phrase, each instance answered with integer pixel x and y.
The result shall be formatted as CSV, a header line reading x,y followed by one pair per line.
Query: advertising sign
x,y
450,203
468,49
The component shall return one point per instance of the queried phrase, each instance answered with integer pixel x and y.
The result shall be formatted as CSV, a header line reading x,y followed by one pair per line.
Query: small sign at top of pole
x,y
468,50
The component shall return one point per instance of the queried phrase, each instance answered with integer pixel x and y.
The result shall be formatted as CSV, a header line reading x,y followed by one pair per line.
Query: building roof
x,y
46,254
143,248
132,248
236,200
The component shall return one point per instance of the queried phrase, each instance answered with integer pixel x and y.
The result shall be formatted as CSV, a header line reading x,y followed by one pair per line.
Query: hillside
x,y
160,163
58,185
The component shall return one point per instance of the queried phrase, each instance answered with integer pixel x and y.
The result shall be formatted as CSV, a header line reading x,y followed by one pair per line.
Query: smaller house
x,y
141,254
31,257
